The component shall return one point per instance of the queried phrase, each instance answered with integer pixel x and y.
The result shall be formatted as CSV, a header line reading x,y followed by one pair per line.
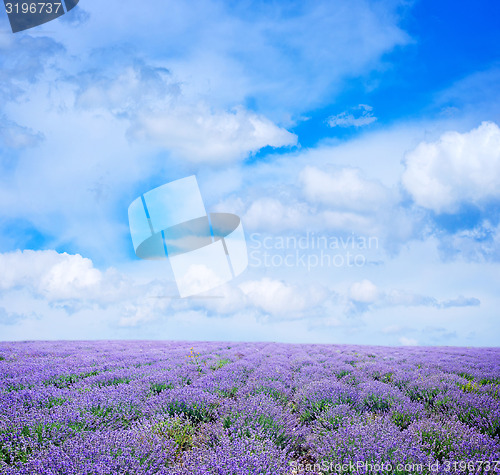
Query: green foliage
x,y
10,457
79,426
228,392
437,443
403,419
387,377
245,422
113,382
425,395
442,404
273,393
470,387
331,422
493,381
275,431
220,363
229,420
312,410
18,387
67,380
467,376
40,432
100,411
55,401
195,412
180,430
157,388
342,373
377,403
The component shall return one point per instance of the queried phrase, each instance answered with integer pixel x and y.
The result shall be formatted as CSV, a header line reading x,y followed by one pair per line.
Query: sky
x,y
359,143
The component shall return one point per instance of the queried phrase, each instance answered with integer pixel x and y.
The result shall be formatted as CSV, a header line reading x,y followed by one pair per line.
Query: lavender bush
x,y
186,408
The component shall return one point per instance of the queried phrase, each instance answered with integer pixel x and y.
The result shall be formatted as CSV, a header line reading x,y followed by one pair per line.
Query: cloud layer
x,y
455,170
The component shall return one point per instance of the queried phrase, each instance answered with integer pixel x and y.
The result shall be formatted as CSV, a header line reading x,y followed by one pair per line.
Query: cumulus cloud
x,y
344,188
270,213
48,273
405,341
61,279
198,134
364,291
72,283
457,169
159,112
149,114
145,306
360,116
339,199
281,299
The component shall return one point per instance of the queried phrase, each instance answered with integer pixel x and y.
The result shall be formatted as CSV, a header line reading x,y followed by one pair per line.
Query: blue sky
x,y
331,121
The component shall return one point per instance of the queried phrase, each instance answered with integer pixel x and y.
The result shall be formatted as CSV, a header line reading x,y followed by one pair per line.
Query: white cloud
x,y
269,213
408,341
364,291
196,134
349,119
344,189
159,111
280,299
144,307
48,273
198,278
67,281
32,281
456,169
286,57
186,102
339,199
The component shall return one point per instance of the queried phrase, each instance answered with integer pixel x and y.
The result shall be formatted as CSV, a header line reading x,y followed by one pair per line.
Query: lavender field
x,y
113,407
